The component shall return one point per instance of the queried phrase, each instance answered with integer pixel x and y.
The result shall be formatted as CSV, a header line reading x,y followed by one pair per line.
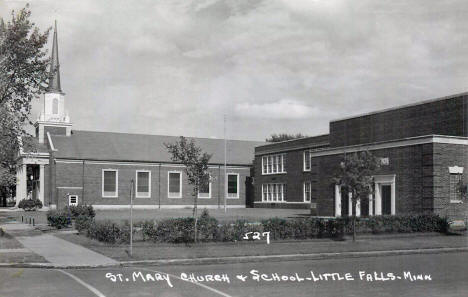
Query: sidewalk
x,y
62,253
28,241
65,249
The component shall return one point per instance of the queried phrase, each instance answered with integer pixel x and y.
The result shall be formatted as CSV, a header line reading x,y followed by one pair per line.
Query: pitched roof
x,y
109,146
32,145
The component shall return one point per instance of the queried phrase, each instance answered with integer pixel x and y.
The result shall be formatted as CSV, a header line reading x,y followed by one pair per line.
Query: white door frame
x,y
381,180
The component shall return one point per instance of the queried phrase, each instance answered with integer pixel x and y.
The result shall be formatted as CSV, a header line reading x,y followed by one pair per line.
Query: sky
x,y
176,67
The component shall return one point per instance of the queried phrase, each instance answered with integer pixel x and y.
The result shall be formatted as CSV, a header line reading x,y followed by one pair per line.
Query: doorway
x,y
386,192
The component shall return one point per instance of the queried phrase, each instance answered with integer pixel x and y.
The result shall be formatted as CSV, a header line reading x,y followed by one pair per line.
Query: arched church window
x,y
55,106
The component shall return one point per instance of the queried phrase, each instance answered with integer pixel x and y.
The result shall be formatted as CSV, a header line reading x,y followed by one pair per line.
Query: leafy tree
x,y
283,136
356,175
196,168
23,74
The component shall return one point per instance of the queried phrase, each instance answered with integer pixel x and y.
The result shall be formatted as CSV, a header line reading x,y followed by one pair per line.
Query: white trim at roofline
x,y
70,161
163,206
441,139
52,147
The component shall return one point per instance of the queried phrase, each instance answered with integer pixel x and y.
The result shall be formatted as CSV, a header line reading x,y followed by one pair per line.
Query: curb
x,y
246,259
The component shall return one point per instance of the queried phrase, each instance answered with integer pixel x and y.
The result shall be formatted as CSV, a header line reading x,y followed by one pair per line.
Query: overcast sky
x,y
174,67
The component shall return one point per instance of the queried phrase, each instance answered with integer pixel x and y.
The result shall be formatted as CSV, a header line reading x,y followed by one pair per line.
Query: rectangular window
x,y
143,184
455,193
110,184
204,190
233,185
273,192
307,191
307,160
274,164
174,184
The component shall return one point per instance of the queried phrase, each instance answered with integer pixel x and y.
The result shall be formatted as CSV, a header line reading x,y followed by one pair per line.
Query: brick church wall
x,y
68,180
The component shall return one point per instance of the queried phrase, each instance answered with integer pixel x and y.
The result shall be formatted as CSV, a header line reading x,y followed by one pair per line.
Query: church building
x,y
69,167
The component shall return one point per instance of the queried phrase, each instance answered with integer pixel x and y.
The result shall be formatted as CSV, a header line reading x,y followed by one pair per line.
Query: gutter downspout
x,y
159,186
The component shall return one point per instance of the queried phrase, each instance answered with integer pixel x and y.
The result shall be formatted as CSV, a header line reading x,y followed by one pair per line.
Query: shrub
x,y
30,204
83,222
80,210
207,227
104,231
58,219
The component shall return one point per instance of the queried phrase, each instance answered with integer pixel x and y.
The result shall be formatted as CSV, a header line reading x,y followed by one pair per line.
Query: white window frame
x,y
69,200
272,189
310,161
180,184
209,191
116,183
308,199
143,194
274,164
227,188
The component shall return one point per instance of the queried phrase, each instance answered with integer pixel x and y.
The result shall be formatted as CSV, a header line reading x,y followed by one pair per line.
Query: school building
x,y
423,151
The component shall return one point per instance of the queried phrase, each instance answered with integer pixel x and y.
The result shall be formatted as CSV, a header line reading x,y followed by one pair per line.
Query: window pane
x,y
174,182
306,160
204,187
55,106
109,181
265,164
454,187
143,182
232,184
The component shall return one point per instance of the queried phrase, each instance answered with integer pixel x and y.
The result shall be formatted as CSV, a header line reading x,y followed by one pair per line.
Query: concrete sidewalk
x,y
62,253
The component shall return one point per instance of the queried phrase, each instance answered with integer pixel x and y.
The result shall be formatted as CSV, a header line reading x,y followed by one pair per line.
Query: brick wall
x,y
442,117
69,181
445,156
412,166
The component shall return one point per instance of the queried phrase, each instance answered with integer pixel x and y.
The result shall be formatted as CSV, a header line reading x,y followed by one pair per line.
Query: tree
x,y
196,168
356,175
283,137
23,74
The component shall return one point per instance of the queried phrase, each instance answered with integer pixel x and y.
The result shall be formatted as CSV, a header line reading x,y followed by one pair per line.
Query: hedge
x,y
82,214
30,204
181,230
58,219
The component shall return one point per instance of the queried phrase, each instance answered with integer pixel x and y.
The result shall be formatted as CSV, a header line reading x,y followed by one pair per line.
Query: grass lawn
x,y
118,216
148,250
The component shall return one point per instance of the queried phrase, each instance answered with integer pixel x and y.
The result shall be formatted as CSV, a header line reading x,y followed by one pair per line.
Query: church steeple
x,y
54,71
54,118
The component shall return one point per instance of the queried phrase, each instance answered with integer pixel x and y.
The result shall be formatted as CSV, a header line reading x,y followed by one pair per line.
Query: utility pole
x,y
132,191
225,173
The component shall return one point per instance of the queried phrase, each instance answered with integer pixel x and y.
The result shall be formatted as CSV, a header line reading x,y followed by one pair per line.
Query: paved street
x,y
442,274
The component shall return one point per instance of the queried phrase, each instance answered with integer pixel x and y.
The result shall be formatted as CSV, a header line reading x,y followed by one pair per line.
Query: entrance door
x,y
344,202
386,199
